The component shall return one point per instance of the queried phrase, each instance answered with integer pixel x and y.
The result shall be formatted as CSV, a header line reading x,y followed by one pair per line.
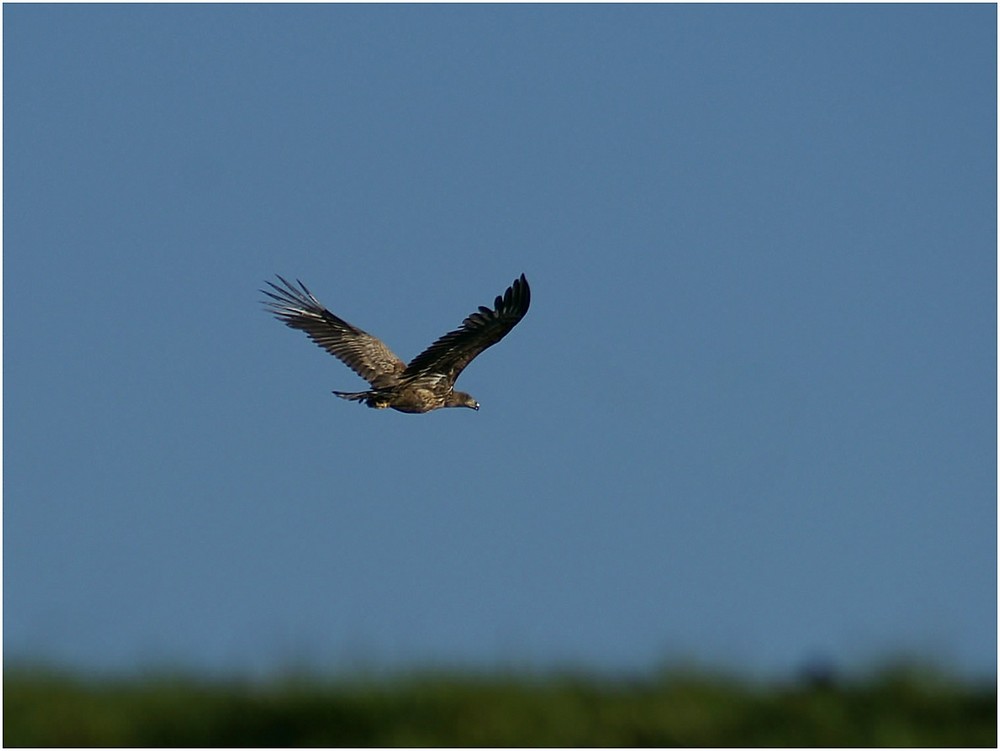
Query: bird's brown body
x,y
428,381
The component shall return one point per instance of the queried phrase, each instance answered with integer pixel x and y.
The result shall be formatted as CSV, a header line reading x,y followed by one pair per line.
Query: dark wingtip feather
x,y
520,293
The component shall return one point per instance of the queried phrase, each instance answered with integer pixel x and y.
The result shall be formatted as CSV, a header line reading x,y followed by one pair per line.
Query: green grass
x,y
899,707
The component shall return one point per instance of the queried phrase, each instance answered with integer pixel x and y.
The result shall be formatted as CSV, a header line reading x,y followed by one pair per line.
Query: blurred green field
x,y
895,707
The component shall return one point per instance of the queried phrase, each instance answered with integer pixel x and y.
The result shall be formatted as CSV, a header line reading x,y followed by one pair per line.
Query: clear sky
x,y
749,420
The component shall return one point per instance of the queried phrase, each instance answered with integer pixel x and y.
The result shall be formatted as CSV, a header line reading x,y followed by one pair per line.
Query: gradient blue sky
x,y
750,419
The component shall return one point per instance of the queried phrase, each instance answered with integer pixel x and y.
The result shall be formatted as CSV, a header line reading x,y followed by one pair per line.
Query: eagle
x,y
424,384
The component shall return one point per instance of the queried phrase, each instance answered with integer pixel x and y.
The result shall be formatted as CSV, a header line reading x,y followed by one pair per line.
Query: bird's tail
x,y
354,396
376,398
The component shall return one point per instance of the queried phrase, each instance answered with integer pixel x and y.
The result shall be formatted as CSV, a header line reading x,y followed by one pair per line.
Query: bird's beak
x,y
476,407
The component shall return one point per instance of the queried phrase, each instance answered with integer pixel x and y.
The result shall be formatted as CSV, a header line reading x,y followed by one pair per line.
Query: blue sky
x,y
749,420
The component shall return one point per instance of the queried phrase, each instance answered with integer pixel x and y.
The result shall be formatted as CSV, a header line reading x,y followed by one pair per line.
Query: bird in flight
x,y
428,381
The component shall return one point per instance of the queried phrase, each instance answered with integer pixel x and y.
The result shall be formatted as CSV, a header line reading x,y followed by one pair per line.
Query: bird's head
x,y
461,399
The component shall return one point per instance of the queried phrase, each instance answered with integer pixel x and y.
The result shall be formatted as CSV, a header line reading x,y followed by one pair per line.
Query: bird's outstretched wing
x,y
366,355
450,354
